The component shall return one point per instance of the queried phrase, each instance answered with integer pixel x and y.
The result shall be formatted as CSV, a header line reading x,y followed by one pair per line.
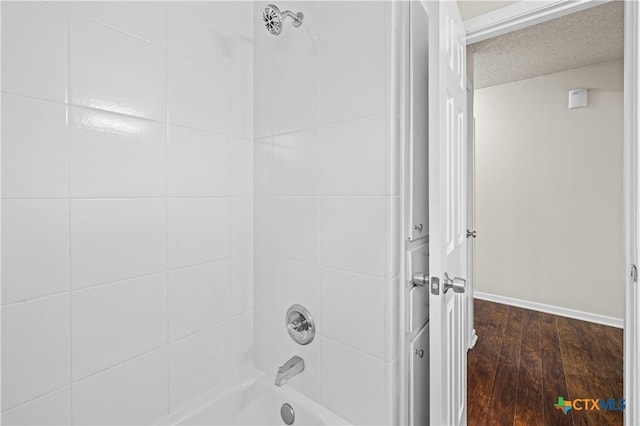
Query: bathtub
x,y
255,400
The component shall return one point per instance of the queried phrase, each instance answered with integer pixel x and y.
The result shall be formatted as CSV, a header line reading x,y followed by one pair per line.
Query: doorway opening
x,y
549,254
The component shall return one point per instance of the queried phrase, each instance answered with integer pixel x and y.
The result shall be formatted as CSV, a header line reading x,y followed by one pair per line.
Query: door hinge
x,y
634,274
471,234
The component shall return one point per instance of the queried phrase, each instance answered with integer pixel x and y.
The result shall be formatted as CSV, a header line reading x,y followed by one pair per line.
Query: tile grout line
x,y
131,198
35,398
166,194
68,135
232,359
122,362
325,266
154,44
122,280
148,351
387,204
70,104
318,202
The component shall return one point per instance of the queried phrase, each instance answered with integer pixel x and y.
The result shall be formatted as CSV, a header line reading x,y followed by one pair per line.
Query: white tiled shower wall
x,y
128,203
127,164
327,202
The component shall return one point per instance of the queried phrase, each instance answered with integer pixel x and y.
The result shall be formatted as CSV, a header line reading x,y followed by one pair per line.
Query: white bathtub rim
x,y
245,380
212,396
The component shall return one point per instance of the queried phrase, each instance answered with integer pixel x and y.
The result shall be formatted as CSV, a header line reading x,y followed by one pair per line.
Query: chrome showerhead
x,y
273,18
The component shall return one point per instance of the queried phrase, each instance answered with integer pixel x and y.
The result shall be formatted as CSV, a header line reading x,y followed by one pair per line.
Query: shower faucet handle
x,y
299,324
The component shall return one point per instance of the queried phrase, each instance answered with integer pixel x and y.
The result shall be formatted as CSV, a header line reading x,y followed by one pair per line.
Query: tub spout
x,y
291,368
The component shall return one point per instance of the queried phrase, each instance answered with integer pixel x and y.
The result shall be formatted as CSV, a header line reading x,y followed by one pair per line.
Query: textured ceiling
x,y
472,8
581,39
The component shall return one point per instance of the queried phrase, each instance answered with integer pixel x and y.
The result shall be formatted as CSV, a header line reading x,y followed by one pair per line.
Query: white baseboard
x,y
550,309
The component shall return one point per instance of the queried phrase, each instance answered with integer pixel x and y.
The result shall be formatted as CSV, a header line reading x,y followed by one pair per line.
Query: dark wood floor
x,y
524,360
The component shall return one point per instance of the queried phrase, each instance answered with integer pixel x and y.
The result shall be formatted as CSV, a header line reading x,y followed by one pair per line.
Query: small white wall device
x,y
578,98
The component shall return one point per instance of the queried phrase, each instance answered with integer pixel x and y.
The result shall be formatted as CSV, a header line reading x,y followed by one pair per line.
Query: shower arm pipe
x,y
297,17
297,21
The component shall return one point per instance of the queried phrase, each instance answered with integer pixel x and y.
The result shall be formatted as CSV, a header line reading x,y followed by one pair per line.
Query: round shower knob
x,y
300,325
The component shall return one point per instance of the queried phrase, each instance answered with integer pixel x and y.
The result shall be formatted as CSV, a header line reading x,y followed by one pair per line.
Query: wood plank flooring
x,y
524,360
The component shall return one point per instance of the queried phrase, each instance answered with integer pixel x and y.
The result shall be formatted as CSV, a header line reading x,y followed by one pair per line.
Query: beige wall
x,y
549,191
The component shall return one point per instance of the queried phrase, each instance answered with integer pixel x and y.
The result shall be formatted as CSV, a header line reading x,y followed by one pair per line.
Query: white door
x,y
471,233
448,338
